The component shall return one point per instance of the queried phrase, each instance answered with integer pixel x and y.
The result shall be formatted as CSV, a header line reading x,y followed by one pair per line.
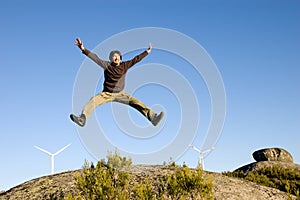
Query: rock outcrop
x,y
270,157
273,154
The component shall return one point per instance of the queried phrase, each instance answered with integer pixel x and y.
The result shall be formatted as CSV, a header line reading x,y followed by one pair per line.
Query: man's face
x,y
116,58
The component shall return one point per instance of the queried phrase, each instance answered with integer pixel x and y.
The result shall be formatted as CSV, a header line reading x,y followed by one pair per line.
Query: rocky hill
x,y
58,185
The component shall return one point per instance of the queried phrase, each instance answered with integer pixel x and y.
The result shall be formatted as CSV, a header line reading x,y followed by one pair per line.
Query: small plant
x,y
116,161
54,196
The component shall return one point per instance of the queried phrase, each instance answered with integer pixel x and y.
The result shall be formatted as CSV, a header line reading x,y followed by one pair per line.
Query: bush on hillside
x,y
284,179
106,182
101,182
184,183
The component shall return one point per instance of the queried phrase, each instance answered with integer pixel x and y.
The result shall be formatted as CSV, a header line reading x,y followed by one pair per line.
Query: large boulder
x,y
273,154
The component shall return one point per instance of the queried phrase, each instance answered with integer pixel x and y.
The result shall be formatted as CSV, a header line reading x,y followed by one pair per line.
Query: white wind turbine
x,y
52,155
201,154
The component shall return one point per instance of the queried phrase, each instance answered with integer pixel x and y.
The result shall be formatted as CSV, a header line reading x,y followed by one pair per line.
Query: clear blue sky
x,y
254,44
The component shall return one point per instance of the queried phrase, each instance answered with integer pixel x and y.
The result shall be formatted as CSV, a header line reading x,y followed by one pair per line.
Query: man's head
x,y
115,57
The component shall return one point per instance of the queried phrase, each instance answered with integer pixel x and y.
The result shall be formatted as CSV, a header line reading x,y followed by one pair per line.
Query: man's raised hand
x,y
149,48
79,43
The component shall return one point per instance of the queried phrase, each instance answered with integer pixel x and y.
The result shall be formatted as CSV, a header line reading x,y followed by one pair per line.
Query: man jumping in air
x,y
113,86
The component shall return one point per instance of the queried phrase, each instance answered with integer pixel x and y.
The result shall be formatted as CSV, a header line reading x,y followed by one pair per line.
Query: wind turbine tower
x,y
52,155
201,154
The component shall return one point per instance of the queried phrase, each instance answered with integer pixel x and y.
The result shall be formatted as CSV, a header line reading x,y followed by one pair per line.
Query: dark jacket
x,y
114,76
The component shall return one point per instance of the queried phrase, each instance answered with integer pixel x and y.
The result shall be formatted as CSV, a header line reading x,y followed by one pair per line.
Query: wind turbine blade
x,y
206,151
62,149
195,148
43,150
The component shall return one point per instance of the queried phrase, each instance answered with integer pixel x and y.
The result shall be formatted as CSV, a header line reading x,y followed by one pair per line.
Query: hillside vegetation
x,y
284,179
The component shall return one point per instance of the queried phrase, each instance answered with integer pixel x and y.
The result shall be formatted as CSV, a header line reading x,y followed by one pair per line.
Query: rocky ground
x,y
63,183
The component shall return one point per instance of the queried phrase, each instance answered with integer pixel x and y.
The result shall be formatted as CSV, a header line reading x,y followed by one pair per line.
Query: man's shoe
x,y
78,120
156,119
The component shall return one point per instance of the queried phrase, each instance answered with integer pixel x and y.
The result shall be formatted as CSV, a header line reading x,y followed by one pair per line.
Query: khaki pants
x,y
121,97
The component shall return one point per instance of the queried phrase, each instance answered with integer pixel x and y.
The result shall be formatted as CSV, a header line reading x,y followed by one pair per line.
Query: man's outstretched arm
x,y
139,57
91,55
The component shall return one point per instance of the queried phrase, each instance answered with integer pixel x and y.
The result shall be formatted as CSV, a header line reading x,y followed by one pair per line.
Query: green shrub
x,y
102,182
143,191
284,179
185,182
